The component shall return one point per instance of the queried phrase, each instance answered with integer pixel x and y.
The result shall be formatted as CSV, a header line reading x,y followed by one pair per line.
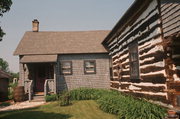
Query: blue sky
x,y
56,15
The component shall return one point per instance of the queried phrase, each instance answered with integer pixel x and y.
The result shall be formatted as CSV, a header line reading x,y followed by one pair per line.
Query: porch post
x,y
55,70
21,75
24,72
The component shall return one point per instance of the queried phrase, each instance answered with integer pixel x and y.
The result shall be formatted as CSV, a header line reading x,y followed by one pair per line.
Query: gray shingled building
x,y
56,61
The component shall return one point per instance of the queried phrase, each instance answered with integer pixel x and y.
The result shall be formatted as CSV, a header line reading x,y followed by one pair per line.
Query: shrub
x,y
11,90
3,104
82,94
10,93
65,99
123,105
89,93
13,85
126,107
52,97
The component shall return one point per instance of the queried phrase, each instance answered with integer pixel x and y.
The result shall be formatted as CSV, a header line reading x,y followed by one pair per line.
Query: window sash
x,y
90,67
66,67
134,61
134,71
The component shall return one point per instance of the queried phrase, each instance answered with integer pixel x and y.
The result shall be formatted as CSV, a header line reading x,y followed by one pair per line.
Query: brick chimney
x,y
35,25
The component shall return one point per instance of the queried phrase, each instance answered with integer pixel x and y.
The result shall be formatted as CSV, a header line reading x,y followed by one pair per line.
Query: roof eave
x,y
64,53
5,75
131,10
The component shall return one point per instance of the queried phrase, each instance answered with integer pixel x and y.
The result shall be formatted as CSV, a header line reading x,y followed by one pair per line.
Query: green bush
x,y
10,93
13,85
3,104
125,106
82,94
11,90
52,97
89,93
65,99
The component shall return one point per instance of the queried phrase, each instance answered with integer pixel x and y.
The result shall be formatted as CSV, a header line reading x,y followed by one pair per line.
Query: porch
x,y
38,76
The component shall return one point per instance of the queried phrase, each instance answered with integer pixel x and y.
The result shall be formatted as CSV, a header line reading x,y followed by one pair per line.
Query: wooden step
x,y
39,93
38,98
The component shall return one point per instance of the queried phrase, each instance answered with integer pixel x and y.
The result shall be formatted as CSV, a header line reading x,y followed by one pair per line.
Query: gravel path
x,y
21,105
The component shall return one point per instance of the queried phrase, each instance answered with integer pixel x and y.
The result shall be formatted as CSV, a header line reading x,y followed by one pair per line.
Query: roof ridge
x,y
70,31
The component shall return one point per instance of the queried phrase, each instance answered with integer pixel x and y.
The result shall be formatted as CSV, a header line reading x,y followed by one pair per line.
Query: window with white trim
x,y
66,67
90,67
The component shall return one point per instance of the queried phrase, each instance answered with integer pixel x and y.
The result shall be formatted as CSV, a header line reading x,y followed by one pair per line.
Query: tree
x,y
14,75
4,65
4,7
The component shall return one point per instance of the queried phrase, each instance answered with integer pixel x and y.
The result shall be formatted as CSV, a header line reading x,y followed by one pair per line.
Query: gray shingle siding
x,y
78,79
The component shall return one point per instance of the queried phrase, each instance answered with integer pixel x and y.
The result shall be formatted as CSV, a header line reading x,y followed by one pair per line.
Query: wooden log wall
x,y
146,30
172,64
170,13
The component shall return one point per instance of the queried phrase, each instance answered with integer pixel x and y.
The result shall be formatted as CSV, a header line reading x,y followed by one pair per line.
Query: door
x,y
43,71
40,78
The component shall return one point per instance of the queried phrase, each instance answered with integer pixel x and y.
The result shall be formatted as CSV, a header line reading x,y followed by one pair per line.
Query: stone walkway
x,y
21,105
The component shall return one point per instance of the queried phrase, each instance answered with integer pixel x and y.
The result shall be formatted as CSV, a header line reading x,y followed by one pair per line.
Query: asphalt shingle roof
x,y
71,42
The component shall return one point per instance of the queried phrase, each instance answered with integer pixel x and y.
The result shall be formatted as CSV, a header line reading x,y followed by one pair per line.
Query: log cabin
x,y
145,51
51,62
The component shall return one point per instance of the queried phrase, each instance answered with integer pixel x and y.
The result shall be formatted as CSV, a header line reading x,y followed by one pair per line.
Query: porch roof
x,y
38,58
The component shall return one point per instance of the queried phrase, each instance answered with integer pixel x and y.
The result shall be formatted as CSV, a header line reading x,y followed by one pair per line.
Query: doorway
x,y
42,72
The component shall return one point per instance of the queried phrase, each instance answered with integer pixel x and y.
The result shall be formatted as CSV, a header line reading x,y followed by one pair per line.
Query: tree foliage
x,y
4,65
14,75
4,7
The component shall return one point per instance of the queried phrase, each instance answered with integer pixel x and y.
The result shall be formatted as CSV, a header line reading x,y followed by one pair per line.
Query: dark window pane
x,y
134,61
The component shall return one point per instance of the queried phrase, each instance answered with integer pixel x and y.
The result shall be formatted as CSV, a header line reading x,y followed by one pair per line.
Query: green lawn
x,y
78,110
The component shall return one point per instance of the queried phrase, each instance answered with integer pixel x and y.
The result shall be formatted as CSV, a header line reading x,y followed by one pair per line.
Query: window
x,y
66,67
134,62
90,67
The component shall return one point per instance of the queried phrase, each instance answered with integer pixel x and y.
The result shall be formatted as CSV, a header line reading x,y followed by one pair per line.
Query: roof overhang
x,y
38,58
4,75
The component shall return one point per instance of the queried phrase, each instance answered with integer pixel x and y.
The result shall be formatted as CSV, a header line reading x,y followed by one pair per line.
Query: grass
x,y
86,109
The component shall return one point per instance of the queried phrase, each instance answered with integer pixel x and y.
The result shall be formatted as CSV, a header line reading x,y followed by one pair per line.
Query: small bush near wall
x,y
52,97
89,93
4,104
11,90
126,107
64,99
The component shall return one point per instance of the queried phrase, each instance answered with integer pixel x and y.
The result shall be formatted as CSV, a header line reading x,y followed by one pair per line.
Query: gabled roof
x,y
73,42
4,74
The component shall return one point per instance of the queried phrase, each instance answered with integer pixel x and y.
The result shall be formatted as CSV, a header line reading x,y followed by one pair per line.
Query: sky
x,y
56,15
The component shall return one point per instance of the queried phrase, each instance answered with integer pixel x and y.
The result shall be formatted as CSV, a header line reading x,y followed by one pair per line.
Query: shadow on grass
x,y
32,114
